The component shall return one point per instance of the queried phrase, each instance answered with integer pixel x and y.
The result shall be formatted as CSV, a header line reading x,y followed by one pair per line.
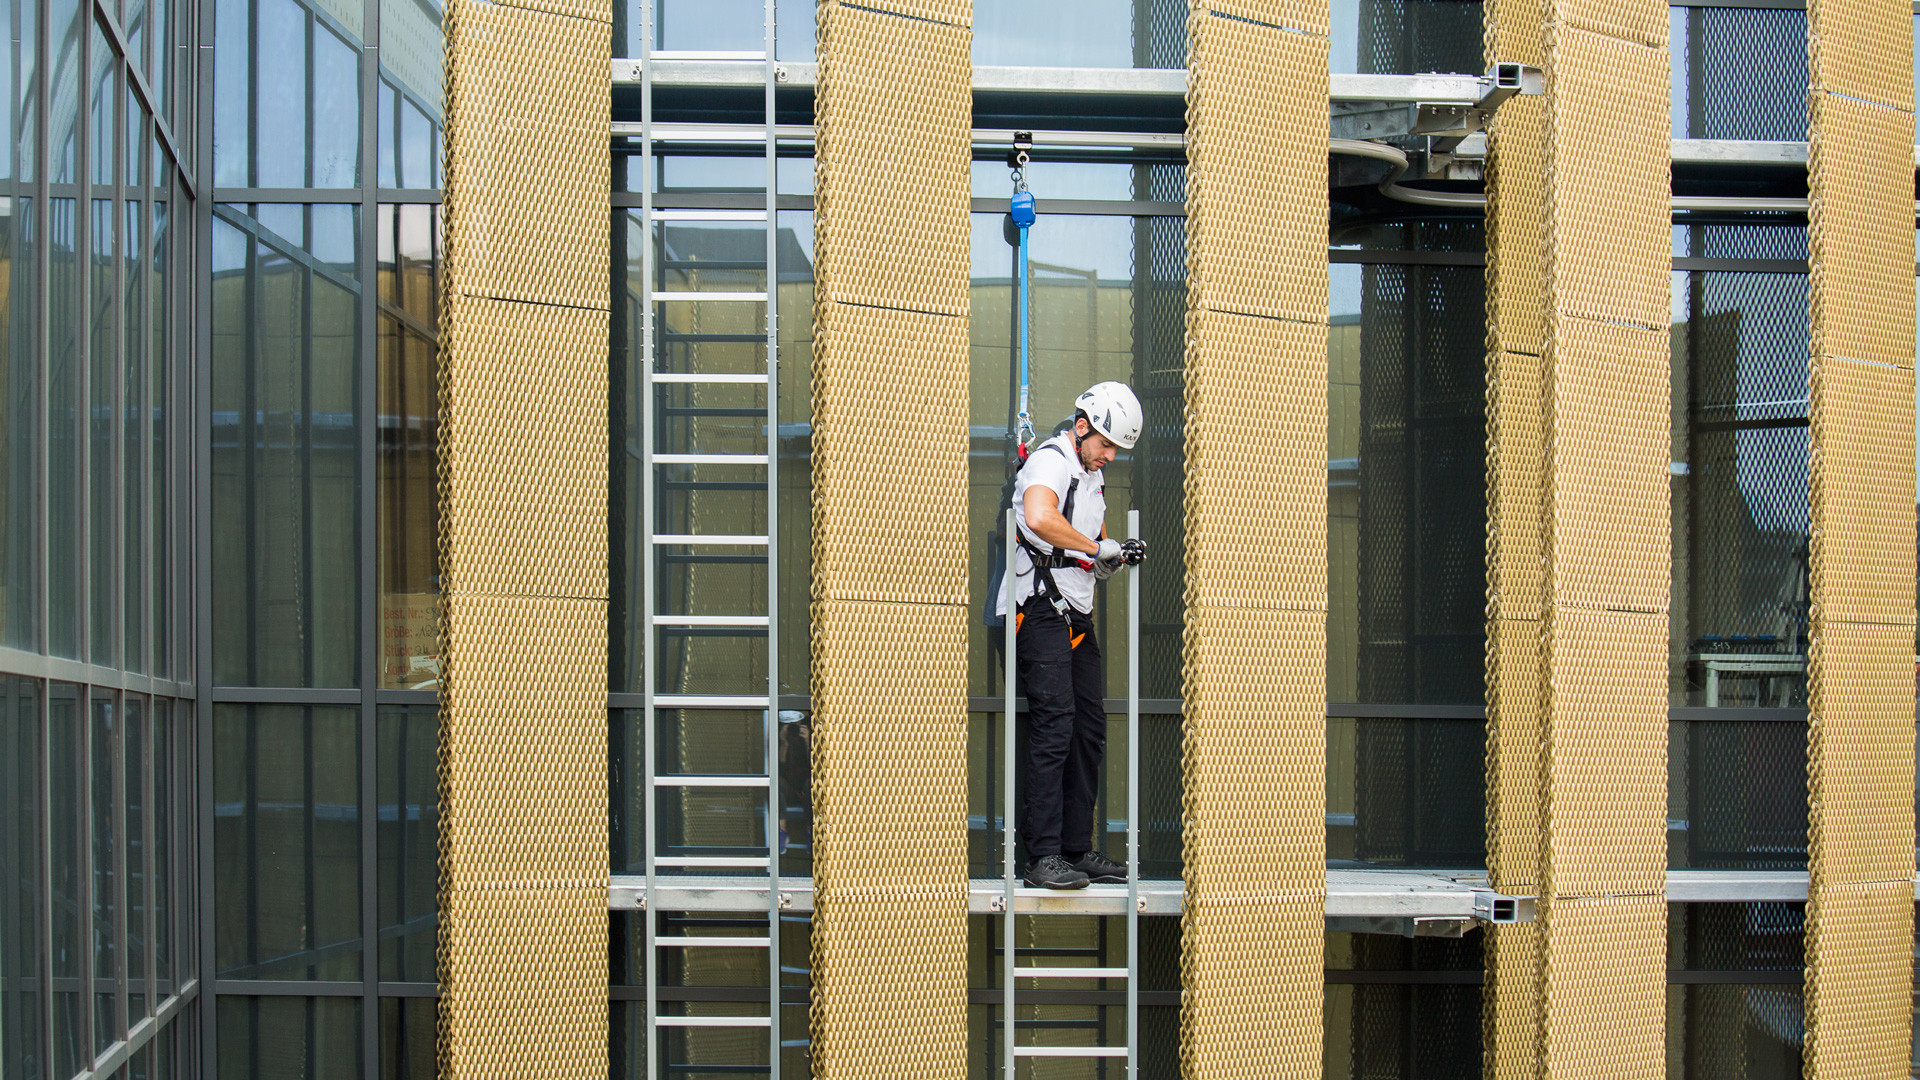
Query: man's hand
x,y
1110,551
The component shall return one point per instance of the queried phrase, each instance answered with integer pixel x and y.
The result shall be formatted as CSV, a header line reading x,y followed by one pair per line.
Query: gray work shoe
x,y
1100,870
1052,872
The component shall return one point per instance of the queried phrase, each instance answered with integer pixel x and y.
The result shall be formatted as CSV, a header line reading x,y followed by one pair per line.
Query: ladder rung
x,y
712,942
709,215
696,538
709,459
711,861
695,377
704,54
688,780
714,1021
1069,973
1070,1051
661,297
710,620
710,701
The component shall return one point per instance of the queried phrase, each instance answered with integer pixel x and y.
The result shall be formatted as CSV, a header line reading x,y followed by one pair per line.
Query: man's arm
x,y
1045,520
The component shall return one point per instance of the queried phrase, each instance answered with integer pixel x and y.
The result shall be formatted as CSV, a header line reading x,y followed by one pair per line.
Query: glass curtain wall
x,y
320,605
99,931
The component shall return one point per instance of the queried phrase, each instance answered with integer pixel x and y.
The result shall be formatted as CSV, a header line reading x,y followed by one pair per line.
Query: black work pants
x,y
1058,660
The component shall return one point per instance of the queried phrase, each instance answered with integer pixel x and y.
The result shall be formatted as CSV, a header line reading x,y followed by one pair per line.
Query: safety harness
x,y
1046,562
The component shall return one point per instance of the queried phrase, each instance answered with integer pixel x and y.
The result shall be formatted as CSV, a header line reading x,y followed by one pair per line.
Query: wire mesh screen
x,y
1406,793
1159,34
1740,500
1411,36
1737,795
1739,73
1407,495
1160,266
1734,1009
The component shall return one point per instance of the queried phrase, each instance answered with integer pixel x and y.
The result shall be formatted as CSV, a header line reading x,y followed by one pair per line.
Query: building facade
x,y
500,501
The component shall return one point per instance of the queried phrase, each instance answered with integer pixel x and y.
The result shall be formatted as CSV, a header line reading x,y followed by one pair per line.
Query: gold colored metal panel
x,y
881,505
1510,1001
1609,390
1604,789
1256,180
523,980
1515,468
1861,753
893,162
526,155
1256,442
1863,49
1514,699
957,13
890,840
1252,997
1511,32
1517,228
1862,481
1302,18
1604,969
1859,989
1625,21
525,435
1255,762
1610,166
1860,231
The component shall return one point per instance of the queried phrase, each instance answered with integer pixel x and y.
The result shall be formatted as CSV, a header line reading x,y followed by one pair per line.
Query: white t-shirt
x,y
1056,464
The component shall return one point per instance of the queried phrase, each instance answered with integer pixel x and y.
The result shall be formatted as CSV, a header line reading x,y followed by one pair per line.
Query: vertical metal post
x,y
1133,807
1007,810
773,563
367,399
643,403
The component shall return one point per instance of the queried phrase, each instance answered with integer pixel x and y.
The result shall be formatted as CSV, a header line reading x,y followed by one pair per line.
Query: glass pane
x,y
160,454
1080,33
22,874
1737,795
135,800
68,887
103,519
408,752
730,25
106,840
286,842
1406,793
63,84
1406,37
286,94
410,71
408,525
160,864
289,1038
20,443
1739,73
1406,474
134,441
285,451
64,450
407,1039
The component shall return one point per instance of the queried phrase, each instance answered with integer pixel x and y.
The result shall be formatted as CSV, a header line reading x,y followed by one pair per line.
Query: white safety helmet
x,y
1113,411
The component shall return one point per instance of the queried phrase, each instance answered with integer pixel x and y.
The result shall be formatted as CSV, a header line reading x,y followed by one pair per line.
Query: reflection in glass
x,y
103,377
286,842
134,803
1737,795
410,94
409,816
289,1038
285,451
1406,476
161,515
407,1039
20,430
1740,500
1406,793
408,550
286,94
67,770
1722,1028
1080,33
135,415
105,849
22,874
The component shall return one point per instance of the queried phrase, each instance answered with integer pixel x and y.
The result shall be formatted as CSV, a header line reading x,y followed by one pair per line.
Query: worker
x,y
1060,507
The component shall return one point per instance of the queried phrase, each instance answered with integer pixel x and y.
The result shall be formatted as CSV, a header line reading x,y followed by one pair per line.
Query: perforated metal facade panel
x,y
1256,593
1860,695
523,528
892,258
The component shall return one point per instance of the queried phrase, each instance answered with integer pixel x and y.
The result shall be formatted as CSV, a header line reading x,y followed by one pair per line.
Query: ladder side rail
x,y
1133,803
648,488
772,714
1007,809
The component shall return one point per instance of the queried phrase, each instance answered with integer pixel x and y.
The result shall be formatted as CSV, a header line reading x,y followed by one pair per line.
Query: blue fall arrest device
x,y
1021,210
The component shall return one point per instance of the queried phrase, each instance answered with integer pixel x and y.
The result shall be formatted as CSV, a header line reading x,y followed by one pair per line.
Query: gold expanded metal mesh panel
x,y
1514,694
1254,657
523,518
890,840
891,229
1604,977
1509,1002
526,147
1861,483
892,263
1859,1002
1605,740
1632,21
1245,423
1517,234
1243,179
878,506
525,483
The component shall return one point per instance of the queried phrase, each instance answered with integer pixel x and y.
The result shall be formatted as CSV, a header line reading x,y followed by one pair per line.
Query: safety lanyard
x,y
1022,211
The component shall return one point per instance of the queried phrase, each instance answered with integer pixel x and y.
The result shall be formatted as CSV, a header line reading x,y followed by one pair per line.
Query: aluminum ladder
x,y
670,388
1012,970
